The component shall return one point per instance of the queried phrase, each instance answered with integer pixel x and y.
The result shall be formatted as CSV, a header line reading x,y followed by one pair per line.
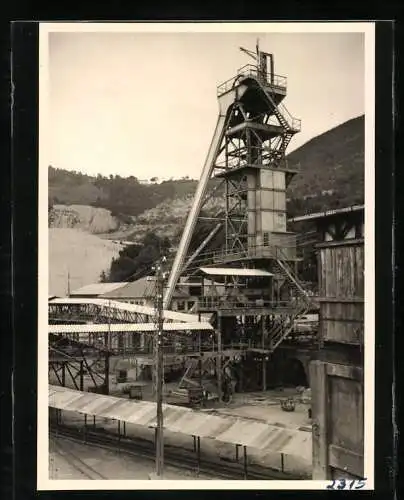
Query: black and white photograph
x,y
206,274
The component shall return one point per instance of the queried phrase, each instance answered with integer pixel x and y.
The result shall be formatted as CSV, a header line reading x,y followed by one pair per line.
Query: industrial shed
x,y
337,373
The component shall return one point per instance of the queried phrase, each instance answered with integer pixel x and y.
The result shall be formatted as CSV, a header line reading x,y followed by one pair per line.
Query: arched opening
x,y
294,373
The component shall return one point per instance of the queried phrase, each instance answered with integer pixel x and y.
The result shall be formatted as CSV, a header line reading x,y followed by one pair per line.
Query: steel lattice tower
x,y
247,154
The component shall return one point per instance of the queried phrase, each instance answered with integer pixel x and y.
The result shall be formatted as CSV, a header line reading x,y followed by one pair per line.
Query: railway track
x,y
173,456
76,462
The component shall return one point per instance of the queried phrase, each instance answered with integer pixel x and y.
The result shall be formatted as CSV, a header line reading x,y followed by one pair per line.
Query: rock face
x,y
168,217
77,257
90,219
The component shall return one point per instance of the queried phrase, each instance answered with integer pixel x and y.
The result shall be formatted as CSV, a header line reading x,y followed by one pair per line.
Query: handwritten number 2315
x,y
343,484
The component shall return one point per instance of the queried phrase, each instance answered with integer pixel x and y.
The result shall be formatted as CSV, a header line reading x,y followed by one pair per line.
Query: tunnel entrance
x,y
294,373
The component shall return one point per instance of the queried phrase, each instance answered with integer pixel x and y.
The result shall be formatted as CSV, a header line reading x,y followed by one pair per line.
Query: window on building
x,y
266,239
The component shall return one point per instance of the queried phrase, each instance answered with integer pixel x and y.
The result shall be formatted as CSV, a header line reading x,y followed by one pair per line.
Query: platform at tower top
x,y
277,83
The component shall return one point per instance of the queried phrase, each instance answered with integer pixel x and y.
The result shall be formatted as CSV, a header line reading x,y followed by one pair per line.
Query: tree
x,y
136,261
103,277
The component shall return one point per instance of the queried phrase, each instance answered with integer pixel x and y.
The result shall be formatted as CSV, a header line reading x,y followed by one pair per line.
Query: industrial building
x,y
337,380
141,292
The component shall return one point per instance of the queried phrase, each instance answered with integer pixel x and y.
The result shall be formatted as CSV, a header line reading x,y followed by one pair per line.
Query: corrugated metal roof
x,y
127,327
233,271
328,213
139,289
124,306
97,288
226,429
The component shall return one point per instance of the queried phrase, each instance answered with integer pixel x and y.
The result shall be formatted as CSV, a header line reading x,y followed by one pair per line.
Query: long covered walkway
x,y
240,432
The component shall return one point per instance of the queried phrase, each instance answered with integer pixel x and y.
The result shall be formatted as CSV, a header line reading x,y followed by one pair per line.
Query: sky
x,y
144,104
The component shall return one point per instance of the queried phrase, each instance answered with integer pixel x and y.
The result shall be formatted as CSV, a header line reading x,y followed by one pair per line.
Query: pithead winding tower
x,y
247,153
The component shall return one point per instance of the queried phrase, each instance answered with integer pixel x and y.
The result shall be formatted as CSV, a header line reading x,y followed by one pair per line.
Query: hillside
x,y
332,169
121,196
81,255
168,217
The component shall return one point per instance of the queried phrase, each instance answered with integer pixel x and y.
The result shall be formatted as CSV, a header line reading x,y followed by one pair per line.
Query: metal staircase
x,y
290,125
301,306
285,271
285,143
279,333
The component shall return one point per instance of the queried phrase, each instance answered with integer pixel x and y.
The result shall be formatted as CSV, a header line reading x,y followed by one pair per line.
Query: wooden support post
x,y
200,376
264,374
245,463
237,457
124,429
94,422
198,454
119,435
194,437
263,331
63,374
81,376
318,378
85,427
106,387
282,462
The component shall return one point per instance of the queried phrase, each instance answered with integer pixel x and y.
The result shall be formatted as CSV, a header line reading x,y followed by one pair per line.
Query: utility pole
x,y
158,366
68,282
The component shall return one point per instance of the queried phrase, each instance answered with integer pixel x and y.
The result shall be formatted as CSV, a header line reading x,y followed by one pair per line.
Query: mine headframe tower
x,y
247,154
